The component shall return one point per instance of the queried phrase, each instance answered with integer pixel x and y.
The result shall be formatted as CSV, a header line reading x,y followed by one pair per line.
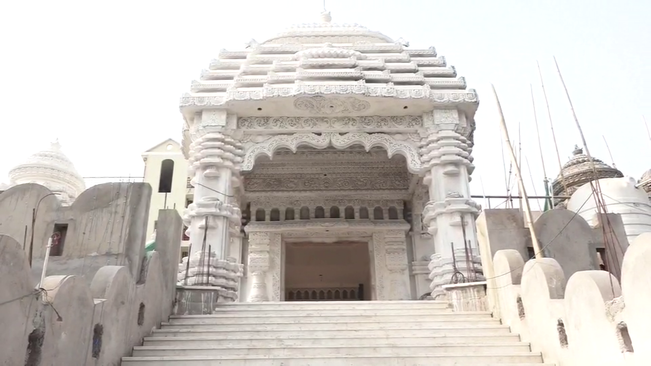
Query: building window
x,y
58,239
166,175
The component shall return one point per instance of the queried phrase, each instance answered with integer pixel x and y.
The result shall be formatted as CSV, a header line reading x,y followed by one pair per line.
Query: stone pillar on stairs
x,y
214,216
264,267
450,213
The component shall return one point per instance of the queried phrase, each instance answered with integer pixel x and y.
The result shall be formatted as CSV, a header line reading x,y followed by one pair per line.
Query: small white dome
x,y
52,169
621,197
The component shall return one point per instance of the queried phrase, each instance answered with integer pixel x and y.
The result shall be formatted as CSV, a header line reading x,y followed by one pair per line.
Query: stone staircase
x,y
395,333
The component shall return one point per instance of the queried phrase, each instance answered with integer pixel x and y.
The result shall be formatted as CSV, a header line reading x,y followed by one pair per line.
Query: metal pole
x,y
514,160
47,258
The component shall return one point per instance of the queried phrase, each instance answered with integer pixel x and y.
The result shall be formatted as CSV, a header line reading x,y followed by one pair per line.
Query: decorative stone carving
x,y
321,105
267,202
292,142
275,254
317,182
331,123
437,98
259,263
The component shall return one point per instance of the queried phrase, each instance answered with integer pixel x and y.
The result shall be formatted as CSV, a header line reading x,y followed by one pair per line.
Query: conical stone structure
x,y
52,169
578,171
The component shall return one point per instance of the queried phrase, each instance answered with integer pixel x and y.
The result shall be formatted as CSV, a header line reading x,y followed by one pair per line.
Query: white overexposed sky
x,y
105,77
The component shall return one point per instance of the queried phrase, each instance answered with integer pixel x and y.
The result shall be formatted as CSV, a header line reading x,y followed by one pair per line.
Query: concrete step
x,y
323,311
242,332
325,325
430,359
336,305
309,318
324,351
328,340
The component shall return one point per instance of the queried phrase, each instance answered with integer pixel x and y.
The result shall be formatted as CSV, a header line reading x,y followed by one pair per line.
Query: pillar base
x,y
442,272
467,296
206,270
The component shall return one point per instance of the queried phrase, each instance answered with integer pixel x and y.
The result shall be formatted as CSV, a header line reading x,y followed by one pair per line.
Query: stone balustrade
x,y
588,319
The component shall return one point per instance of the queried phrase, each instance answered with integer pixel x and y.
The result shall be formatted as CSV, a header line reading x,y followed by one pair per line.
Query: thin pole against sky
x,y
609,153
548,202
647,127
551,124
518,173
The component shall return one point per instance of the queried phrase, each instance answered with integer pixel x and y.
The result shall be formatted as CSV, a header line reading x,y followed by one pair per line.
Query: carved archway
x,y
339,141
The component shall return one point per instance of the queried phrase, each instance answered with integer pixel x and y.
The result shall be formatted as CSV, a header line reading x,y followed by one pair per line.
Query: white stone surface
x,y
621,197
348,333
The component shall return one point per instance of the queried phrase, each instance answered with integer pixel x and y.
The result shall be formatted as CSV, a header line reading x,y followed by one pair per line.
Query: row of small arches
x,y
319,213
322,295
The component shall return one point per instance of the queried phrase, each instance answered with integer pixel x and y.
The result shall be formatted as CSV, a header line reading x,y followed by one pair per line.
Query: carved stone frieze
x,y
292,202
438,97
368,140
321,105
317,182
288,226
331,123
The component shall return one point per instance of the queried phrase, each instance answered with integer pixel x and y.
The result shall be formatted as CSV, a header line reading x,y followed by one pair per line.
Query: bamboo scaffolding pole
x,y
548,203
609,153
551,124
518,173
607,232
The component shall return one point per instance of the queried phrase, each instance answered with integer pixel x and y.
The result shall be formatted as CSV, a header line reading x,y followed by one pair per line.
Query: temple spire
x,y
325,14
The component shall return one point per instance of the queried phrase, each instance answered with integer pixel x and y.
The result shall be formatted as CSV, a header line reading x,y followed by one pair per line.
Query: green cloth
x,y
548,201
151,246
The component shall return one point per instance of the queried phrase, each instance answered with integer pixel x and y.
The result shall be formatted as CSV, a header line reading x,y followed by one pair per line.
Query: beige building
x,y
166,170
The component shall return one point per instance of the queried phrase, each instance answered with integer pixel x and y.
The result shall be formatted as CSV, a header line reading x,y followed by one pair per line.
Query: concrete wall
x,y
102,294
73,322
106,226
589,319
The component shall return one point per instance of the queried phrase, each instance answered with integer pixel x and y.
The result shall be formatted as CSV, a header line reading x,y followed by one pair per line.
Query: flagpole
x,y
518,173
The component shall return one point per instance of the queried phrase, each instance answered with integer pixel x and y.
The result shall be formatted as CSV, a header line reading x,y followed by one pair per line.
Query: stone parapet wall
x,y
103,293
72,322
588,319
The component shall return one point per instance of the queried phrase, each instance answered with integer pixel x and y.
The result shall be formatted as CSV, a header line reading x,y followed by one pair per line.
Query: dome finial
x,y
577,150
325,14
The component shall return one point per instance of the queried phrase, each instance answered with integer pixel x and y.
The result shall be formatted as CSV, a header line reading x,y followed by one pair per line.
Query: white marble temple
x,y
327,134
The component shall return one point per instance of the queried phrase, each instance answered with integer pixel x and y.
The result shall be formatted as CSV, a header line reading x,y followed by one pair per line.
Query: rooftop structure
x,y
52,169
578,171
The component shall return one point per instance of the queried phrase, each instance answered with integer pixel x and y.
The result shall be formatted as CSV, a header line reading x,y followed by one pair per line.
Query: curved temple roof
x,y
578,171
329,58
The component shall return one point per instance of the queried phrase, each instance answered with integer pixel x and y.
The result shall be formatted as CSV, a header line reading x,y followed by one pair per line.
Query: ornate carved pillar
x,y
450,213
390,266
214,215
265,267
398,265
259,262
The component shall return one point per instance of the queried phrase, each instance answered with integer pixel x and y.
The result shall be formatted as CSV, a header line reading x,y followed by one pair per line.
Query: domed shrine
x,y
349,155
52,169
578,171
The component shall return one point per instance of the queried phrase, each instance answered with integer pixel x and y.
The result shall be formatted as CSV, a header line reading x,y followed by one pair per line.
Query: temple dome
x,y
52,169
578,171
